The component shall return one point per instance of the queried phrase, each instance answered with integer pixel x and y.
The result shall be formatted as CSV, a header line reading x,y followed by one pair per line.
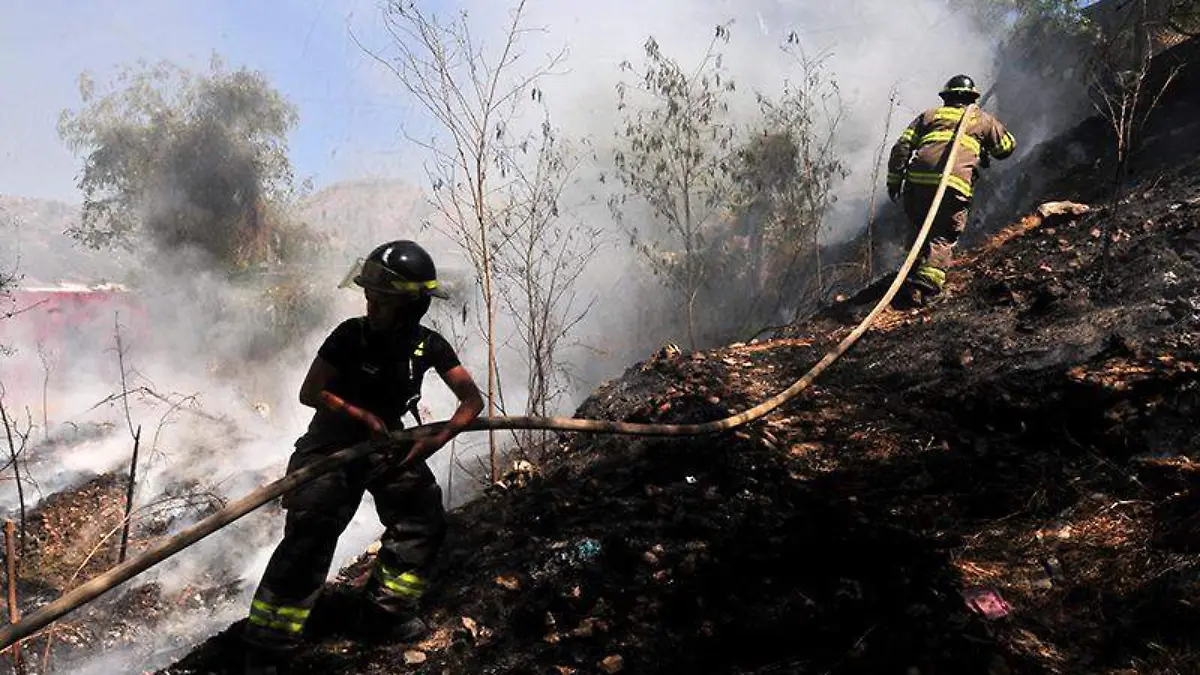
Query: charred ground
x,y
1031,436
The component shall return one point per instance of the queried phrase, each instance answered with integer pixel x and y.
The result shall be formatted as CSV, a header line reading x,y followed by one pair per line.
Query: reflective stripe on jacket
x,y
920,153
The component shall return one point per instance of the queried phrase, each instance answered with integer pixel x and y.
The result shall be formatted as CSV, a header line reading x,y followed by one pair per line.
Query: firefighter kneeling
x,y
365,376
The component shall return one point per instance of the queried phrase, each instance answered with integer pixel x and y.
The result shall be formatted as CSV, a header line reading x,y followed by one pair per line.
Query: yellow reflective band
x,y
908,134
1007,144
948,114
283,619
298,613
400,588
420,349
933,275
397,574
933,178
404,583
963,187
414,286
969,142
894,177
276,624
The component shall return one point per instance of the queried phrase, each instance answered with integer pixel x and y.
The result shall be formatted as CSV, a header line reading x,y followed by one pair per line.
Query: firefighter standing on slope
x,y
365,376
915,169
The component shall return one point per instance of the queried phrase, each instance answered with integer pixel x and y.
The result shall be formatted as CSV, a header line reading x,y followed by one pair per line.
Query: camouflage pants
x,y
948,225
409,504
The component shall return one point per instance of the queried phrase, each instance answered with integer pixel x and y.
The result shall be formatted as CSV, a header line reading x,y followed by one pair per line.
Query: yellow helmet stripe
x,y
414,286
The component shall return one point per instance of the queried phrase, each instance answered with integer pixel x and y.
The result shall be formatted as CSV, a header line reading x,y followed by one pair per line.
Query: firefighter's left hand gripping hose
x,y
339,405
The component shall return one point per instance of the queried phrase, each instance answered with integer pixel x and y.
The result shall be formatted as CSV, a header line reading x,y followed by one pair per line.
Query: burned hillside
x,y
1004,482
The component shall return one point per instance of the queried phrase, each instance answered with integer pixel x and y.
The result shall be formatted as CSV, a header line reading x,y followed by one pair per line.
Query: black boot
x,y
409,628
382,626
263,662
910,296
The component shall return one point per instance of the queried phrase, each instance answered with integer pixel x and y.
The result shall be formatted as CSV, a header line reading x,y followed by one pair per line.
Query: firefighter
x,y
365,376
914,171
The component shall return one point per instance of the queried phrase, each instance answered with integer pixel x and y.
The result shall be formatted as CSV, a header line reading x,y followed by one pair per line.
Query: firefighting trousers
x,y
948,224
409,504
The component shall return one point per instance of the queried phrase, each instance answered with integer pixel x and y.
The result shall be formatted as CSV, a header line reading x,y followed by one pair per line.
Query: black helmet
x,y
960,87
400,268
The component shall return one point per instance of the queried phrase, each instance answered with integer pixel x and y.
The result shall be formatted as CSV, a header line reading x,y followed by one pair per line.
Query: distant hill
x,y
37,247
366,211
357,215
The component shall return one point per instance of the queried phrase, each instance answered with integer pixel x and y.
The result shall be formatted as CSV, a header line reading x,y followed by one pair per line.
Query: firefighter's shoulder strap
x,y
417,365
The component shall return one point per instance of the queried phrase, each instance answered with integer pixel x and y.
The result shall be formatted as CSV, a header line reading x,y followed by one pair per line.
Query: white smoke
x,y
233,422
870,48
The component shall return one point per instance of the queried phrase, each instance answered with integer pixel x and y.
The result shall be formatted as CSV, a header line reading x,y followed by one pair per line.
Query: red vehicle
x,y
69,321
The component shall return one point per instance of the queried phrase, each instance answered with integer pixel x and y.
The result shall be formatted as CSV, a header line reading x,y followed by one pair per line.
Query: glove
x,y
377,426
893,191
425,446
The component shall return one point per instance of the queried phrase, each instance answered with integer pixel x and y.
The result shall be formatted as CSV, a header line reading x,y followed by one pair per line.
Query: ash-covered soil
x,y
1003,482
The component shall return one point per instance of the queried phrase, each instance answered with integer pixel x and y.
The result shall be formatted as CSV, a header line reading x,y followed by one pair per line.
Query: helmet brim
x,y
375,277
436,292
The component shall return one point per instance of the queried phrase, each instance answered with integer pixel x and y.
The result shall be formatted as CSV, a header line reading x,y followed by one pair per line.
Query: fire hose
x,y
169,546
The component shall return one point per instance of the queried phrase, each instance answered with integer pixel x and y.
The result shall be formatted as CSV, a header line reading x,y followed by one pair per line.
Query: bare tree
x,y
733,214
48,359
1183,17
136,434
1125,90
784,184
14,609
877,169
474,97
1124,93
548,252
8,278
15,450
805,117
675,147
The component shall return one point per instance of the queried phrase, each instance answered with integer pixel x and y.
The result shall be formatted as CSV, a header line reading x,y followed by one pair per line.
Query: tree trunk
x,y
491,340
817,256
489,304
137,437
14,611
12,449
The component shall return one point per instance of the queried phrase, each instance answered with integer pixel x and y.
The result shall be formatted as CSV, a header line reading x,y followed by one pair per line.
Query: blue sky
x,y
350,109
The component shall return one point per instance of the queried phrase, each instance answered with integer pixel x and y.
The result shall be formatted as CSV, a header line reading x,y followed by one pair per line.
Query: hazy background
x,y
227,425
